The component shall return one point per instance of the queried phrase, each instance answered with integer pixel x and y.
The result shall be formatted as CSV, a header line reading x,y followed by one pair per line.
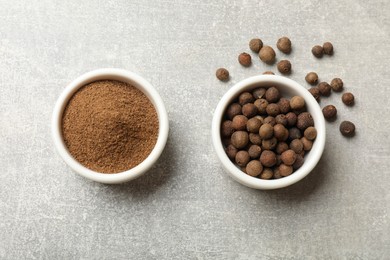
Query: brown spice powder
x,y
109,126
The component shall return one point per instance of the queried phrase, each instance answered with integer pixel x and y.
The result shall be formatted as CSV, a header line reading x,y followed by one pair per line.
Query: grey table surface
x,y
186,207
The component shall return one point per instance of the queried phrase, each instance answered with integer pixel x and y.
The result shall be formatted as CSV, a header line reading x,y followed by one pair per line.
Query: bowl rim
x,y
110,74
313,108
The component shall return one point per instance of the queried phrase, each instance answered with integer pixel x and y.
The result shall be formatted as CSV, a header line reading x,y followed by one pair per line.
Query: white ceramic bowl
x,y
288,88
134,80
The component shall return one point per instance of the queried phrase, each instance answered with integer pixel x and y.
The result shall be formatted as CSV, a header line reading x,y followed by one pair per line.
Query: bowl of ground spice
x,y
110,125
268,132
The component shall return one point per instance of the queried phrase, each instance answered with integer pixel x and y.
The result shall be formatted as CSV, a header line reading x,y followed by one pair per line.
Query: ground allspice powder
x,y
109,126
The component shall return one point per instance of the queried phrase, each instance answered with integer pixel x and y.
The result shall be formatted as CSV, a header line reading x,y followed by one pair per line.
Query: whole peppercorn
x,y
268,73
255,138
304,120
281,119
310,133
277,173
272,95
267,54
296,145
328,48
284,45
280,132
269,144
291,118
258,93
307,144
298,162
239,139
254,168
227,129
284,66
231,152
281,147
269,120
254,151
233,110
347,128
294,133
297,102
278,160
317,51
348,98
239,122
288,157
337,84
249,110
222,74
245,98
311,78
266,174
273,109
255,45
285,170
242,158
266,131
284,105
315,92
253,125
261,105
245,59
329,112
268,158
324,88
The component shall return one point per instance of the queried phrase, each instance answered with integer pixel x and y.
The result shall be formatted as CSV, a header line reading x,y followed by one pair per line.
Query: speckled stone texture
x,y
186,207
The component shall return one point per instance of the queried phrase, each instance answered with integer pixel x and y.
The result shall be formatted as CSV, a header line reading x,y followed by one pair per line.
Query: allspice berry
x,y
298,162
261,105
272,95
328,48
239,139
348,98
227,129
254,151
280,132
249,110
317,51
273,109
296,145
294,133
254,168
281,119
258,93
255,45
285,170
307,144
268,158
304,120
255,138
329,112
315,92
222,74
284,105
245,98
269,144
266,131
266,174
231,151
269,120
311,78
281,147
284,45
284,66
253,125
337,84
291,118
233,110
310,133
324,88
245,59
267,54
297,103
242,158
288,157
239,122
347,128
268,73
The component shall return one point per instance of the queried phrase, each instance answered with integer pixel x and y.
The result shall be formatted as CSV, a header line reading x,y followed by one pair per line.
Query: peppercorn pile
x,y
267,135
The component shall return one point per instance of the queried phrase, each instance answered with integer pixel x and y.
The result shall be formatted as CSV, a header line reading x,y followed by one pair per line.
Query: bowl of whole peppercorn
x,y
268,132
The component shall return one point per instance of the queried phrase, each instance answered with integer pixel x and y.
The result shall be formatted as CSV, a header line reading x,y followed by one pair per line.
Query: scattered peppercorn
x,y
245,59
311,78
254,151
347,128
310,133
267,54
268,158
297,102
242,158
272,95
315,92
337,84
222,74
328,48
239,139
348,98
233,110
245,98
324,88
255,45
318,51
329,112
268,73
254,168
284,45
258,93
284,66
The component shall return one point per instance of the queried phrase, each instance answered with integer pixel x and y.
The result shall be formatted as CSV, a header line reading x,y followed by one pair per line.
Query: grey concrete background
x,y
187,207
